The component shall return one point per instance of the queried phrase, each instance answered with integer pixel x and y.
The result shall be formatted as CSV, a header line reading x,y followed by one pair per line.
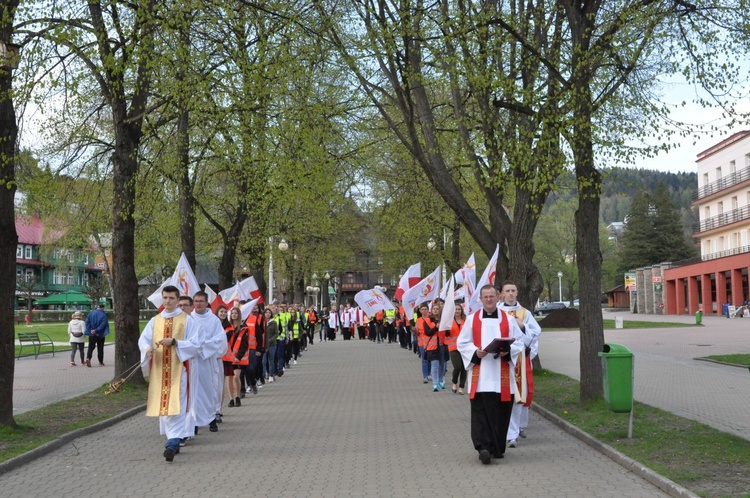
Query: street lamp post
x,y
559,283
283,246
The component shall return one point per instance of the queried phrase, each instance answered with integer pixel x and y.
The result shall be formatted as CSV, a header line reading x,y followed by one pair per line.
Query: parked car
x,y
548,308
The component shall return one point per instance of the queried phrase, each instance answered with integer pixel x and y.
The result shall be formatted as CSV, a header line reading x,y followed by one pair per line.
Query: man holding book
x,y
489,343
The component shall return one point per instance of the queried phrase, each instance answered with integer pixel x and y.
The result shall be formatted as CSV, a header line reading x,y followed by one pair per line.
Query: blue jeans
x,y
173,444
438,379
443,361
269,361
425,363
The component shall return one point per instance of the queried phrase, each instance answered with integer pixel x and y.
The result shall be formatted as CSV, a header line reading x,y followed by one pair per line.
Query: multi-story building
x,y
45,264
723,203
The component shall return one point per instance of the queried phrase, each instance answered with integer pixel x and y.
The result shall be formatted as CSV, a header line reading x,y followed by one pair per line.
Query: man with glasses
x,y
206,369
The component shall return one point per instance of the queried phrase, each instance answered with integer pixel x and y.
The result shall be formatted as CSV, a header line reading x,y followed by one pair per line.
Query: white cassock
x,y
489,373
174,426
206,369
333,320
519,418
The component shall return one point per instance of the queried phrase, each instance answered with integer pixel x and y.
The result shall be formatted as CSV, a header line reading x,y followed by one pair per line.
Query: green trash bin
x,y
698,317
617,367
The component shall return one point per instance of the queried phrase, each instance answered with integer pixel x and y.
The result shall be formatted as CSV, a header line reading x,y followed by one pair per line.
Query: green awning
x,y
70,297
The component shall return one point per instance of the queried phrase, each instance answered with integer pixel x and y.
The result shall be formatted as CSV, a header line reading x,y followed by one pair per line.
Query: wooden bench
x,y
32,338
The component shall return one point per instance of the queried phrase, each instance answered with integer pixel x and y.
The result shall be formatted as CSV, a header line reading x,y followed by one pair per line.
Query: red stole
x,y
476,330
529,381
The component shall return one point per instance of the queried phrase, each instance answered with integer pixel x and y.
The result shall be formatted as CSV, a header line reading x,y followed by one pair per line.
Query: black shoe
x,y
231,403
255,389
237,402
169,454
196,430
242,395
484,456
213,427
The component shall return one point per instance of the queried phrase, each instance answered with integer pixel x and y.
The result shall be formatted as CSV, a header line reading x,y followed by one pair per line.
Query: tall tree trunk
x,y
8,235
187,201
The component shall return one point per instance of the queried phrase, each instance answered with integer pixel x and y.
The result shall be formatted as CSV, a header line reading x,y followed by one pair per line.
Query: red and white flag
x,y
426,290
373,300
247,308
183,278
409,279
232,296
467,272
488,278
214,301
449,309
250,290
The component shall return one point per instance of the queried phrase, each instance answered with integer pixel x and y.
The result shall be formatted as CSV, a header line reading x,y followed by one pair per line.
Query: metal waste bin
x,y
698,317
617,367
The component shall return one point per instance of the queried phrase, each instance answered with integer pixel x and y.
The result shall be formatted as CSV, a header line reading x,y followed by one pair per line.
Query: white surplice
x,y
206,369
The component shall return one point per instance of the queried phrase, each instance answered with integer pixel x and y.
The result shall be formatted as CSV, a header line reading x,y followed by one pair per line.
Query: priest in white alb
x,y
491,384
168,342
206,369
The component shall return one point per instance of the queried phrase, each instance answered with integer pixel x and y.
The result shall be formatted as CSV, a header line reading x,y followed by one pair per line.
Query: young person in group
x,y
256,335
519,418
168,342
206,369
236,354
491,384
272,334
451,338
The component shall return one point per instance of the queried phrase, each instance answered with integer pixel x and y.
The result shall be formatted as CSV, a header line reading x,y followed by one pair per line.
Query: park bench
x,y
32,338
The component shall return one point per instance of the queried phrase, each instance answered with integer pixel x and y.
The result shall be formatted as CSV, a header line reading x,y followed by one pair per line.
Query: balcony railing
x,y
724,254
723,183
723,219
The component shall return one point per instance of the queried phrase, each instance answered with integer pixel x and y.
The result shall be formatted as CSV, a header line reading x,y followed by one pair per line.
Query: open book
x,y
499,345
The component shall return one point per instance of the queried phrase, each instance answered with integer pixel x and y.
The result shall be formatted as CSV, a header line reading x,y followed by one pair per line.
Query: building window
x,y
721,208
718,173
28,252
732,167
29,274
71,255
19,251
707,213
705,179
735,203
19,272
721,244
86,258
70,277
744,237
56,253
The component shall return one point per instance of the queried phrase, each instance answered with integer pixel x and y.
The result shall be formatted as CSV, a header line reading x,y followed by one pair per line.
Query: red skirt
x,y
228,369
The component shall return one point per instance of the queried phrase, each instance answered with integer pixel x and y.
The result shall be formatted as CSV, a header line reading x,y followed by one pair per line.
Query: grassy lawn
x,y
694,455
52,421
58,332
737,359
631,324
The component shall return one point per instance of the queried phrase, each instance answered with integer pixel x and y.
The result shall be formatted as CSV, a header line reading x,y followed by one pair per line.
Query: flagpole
x,y
270,270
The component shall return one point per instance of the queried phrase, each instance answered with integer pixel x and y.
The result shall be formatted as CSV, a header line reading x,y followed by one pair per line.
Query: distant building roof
x,y
31,230
724,143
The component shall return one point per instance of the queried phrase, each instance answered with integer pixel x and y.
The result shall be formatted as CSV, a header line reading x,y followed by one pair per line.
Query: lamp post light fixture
x,y
559,283
431,244
283,246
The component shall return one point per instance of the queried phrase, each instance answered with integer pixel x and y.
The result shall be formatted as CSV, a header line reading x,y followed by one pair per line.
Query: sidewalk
x,y
353,418
47,379
666,374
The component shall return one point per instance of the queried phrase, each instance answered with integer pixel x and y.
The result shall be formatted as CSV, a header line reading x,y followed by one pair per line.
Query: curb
x,y
709,360
42,450
661,482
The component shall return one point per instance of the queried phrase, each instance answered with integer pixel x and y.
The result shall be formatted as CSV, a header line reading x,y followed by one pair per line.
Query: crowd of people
x,y
222,357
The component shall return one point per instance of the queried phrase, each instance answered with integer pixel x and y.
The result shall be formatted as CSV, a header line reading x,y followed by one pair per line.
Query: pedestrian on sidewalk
x,y
76,330
97,328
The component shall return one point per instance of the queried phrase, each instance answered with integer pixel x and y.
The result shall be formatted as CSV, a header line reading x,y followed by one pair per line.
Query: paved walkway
x,y
666,374
352,419
47,379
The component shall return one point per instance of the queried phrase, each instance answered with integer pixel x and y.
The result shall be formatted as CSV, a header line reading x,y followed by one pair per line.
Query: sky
x,y
682,159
